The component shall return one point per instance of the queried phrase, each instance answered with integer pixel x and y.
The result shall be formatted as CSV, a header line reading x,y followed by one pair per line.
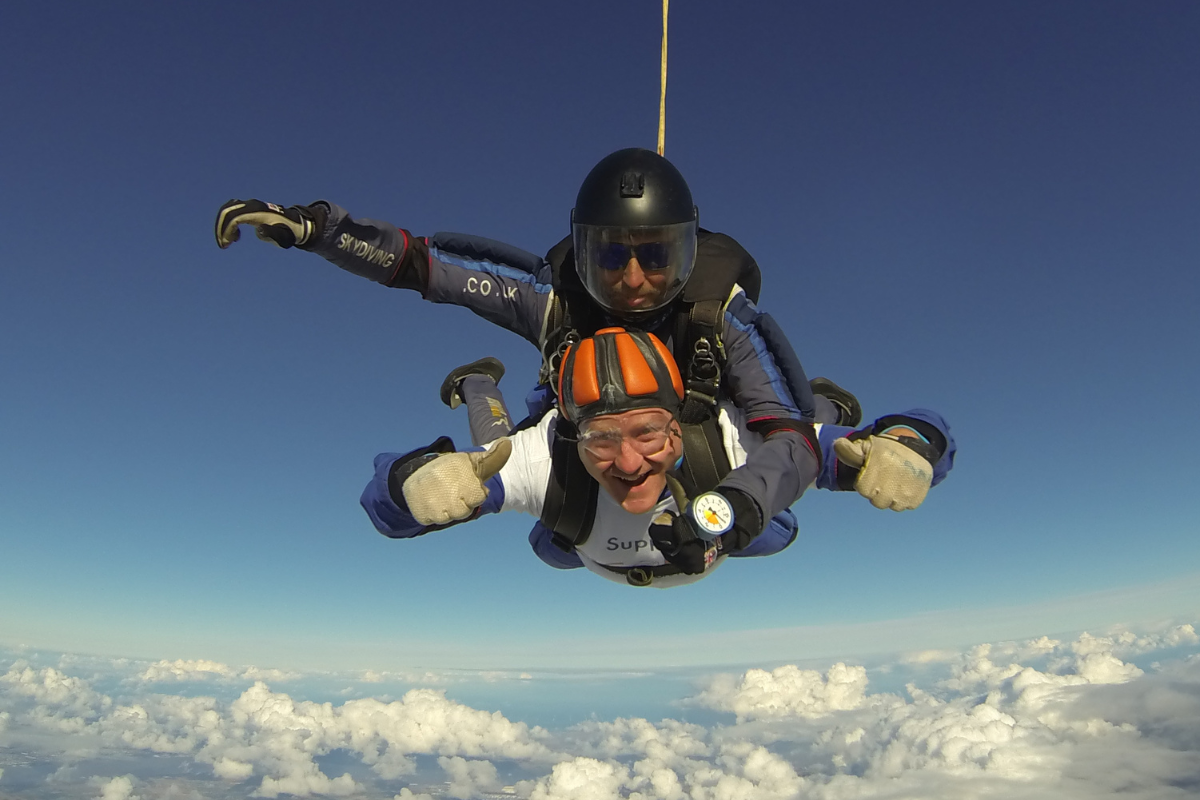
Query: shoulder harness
x,y
694,323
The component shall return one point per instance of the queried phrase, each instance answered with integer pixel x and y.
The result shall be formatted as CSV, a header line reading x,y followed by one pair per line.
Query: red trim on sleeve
x,y
400,259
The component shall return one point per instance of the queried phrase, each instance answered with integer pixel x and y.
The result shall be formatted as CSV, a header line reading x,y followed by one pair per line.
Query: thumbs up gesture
x,y
896,472
451,487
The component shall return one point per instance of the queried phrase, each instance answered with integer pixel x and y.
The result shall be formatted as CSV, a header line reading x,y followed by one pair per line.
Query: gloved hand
x,y
284,227
675,537
895,471
450,487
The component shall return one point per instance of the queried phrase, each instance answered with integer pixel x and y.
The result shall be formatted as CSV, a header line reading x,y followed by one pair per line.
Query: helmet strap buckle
x,y
551,362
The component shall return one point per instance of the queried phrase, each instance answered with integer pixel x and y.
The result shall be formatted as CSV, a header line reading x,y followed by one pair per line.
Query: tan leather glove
x,y
450,487
892,475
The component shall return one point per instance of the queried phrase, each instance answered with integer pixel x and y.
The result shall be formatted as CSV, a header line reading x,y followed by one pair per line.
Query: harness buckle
x,y
552,361
704,361
639,576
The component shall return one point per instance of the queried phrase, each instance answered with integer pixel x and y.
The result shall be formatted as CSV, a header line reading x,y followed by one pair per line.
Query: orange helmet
x,y
616,370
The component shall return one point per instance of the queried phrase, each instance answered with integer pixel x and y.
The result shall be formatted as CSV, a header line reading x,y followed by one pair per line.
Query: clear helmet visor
x,y
629,271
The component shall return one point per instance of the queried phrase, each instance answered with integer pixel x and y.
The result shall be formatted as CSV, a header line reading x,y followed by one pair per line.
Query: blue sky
x,y
989,210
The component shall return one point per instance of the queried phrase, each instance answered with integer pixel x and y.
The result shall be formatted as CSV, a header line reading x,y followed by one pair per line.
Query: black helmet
x,y
634,205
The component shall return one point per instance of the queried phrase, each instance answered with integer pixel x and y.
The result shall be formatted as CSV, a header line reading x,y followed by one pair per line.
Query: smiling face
x,y
629,455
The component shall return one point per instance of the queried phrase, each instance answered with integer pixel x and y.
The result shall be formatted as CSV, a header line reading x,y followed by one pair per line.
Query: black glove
x,y
725,520
675,537
284,227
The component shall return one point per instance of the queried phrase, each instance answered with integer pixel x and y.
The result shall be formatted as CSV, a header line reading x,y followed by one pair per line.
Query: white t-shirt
x,y
618,538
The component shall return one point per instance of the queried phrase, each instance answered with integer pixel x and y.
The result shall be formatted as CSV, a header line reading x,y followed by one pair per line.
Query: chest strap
x,y
644,576
570,505
705,461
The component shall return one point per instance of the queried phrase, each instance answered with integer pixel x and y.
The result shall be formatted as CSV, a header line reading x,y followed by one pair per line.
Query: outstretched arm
x,y
503,284
433,488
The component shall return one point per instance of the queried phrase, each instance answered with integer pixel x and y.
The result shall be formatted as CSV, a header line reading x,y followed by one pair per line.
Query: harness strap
x,y
705,461
569,522
700,354
553,333
644,576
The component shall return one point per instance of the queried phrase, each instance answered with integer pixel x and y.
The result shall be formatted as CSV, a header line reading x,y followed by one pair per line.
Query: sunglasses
x,y
651,256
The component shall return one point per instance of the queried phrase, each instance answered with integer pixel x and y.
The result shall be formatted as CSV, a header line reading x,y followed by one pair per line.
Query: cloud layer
x,y
1041,718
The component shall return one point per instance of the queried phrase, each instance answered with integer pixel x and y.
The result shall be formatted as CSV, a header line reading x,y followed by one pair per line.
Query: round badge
x,y
712,514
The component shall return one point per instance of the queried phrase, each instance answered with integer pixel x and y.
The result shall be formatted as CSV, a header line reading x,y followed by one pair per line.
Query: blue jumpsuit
x,y
511,288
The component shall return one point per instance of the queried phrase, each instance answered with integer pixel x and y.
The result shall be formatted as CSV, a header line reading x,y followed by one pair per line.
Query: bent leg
x,y
488,415
826,412
476,386
834,405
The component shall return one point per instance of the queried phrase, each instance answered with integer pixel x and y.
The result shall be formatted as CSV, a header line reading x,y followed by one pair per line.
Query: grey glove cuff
x,y
317,214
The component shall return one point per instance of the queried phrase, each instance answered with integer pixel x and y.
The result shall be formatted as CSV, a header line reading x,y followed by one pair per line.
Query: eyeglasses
x,y
651,256
605,445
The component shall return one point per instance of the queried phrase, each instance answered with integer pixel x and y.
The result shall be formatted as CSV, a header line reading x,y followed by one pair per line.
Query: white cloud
x,y
202,670
929,656
469,778
1041,718
787,691
231,769
408,794
64,703
49,686
732,771
267,734
580,779
427,678
271,675
120,788
180,670
1126,643
432,678
304,779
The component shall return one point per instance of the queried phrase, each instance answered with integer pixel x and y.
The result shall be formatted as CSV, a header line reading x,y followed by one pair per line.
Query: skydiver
x,y
635,257
622,393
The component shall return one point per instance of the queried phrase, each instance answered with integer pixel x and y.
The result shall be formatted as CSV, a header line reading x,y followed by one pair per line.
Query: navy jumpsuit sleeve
x,y
505,285
776,474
